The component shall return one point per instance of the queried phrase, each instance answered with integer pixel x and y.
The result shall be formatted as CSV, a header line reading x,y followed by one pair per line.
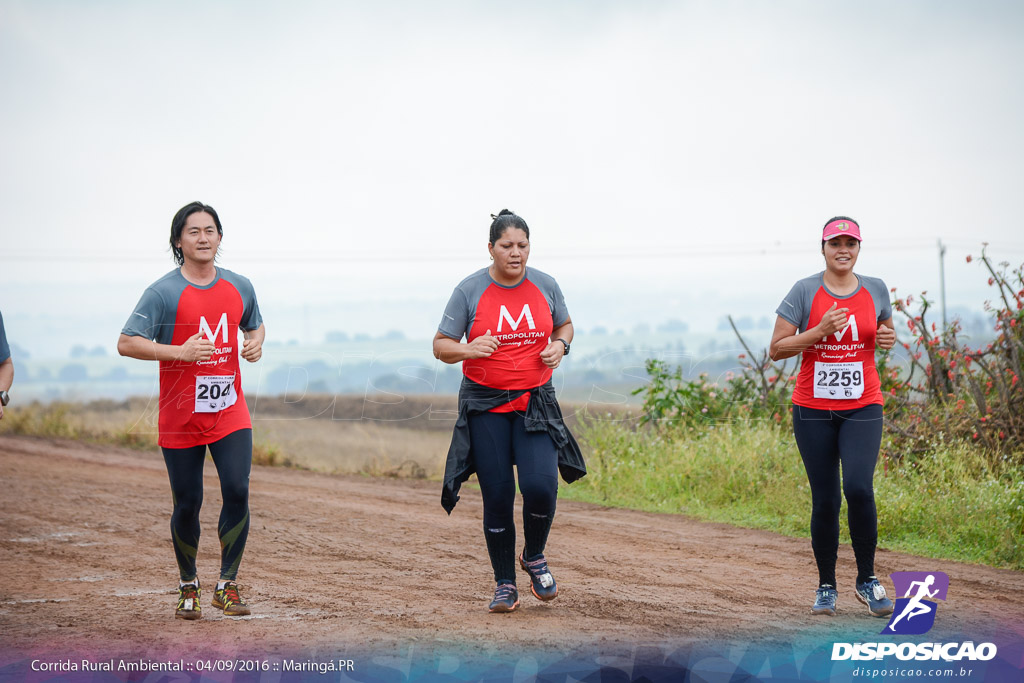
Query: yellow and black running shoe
x,y
188,602
228,599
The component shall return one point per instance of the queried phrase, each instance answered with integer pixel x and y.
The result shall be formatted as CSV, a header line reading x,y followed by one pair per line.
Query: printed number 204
x,y
215,391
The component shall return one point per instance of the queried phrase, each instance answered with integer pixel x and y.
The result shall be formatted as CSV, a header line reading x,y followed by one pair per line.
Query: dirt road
x,y
346,562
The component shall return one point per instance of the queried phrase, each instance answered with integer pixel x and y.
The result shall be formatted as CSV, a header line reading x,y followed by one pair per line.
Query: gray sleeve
x,y
455,321
880,294
5,349
147,318
553,293
251,318
794,308
559,311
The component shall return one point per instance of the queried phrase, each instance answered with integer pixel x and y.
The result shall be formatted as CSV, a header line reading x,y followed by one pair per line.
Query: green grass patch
x,y
954,503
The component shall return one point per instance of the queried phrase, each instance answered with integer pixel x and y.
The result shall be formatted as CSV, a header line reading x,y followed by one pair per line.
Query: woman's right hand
x,y
834,320
196,348
483,346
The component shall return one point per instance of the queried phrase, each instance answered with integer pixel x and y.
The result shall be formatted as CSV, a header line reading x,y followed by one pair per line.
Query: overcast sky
x,y
673,159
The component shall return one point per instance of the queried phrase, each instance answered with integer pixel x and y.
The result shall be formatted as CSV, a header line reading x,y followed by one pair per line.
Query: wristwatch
x,y
5,398
566,346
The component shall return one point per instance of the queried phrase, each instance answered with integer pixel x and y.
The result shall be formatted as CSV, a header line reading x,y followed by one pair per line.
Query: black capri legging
x,y
499,442
828,439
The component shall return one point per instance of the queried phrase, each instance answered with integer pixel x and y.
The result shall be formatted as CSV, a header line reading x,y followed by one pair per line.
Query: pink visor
x,y
841,227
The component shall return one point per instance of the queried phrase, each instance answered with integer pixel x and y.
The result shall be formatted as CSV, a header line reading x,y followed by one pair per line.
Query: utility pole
x,y
942,281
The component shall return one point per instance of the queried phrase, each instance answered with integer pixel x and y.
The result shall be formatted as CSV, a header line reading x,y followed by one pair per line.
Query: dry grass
x,y
389,435
362,446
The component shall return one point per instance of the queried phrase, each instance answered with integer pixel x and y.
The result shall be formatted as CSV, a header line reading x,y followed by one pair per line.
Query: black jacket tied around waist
x,y
542,415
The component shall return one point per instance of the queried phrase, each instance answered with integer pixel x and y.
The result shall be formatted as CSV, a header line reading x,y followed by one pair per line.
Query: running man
x,y
188,320
915,607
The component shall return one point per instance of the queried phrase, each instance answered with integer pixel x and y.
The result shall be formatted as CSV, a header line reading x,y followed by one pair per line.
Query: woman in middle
x,y
517,330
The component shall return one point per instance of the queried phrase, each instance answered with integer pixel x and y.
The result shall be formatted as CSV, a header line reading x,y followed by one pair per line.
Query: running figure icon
x,y
920,591
915,607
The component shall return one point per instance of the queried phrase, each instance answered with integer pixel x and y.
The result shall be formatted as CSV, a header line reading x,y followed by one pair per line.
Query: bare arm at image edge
x,y
6,378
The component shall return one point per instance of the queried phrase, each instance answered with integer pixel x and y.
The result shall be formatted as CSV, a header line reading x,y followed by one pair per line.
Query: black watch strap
x,y
566,344
5,398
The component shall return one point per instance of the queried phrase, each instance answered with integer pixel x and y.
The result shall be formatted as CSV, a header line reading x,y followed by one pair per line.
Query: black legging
x,y
499,441
233,457
827,438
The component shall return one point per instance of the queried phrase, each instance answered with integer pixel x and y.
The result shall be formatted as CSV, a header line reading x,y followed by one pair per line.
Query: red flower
x,y
1001,434
968,258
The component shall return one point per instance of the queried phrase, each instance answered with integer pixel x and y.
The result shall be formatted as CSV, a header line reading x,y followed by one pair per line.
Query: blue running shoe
x,y
506,598
542,584
872,594
825,602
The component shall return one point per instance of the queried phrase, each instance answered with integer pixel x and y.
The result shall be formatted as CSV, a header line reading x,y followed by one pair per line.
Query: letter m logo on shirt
x,y
514,323
852,326
222,324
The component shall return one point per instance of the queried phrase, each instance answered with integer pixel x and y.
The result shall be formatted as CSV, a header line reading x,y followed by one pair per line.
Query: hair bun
x,y
503,220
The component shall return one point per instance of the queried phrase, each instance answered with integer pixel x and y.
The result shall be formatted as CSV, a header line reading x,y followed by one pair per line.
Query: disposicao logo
x,y
914,613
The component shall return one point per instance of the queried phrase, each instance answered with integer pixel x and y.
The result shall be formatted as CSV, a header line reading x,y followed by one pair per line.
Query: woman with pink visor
x,y
836,320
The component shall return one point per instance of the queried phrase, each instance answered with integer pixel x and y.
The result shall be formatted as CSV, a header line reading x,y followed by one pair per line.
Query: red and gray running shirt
x,y
199,402
838,372
521,318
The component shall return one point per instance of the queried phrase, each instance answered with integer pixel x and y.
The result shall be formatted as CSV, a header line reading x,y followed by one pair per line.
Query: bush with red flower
x,y
952,391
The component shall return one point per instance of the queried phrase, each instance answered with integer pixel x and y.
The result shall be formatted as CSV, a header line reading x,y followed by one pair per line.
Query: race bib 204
x,y
214,393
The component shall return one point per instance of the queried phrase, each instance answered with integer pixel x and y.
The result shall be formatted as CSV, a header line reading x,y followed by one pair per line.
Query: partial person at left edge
x,y
189,320
6,368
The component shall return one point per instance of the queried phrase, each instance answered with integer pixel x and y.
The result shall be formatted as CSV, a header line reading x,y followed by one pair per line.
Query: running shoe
x,y
228,599
188,602
542,584
825,601
872,594
506,598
